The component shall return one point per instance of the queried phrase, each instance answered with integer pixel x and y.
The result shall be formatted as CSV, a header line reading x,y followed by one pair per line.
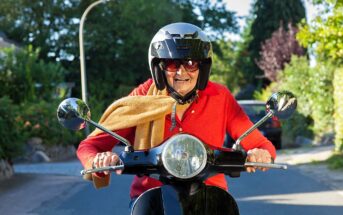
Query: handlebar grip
x,y
107,168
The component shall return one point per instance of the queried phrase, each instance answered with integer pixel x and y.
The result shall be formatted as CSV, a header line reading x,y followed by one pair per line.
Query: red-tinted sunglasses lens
x,y
174,65
190,65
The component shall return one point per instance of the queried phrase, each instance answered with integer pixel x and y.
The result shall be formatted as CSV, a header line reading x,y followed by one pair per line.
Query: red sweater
x,y
209,118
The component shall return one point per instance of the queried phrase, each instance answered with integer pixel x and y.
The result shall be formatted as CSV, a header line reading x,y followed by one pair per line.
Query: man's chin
x,y
183,92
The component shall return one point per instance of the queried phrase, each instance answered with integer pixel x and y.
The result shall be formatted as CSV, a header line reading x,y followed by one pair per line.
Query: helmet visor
x,y
181,49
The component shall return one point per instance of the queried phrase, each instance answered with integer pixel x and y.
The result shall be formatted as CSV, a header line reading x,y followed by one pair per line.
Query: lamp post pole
x,y
82,54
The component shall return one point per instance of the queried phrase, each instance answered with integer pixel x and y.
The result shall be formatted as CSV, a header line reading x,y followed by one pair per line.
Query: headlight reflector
x,y
184,156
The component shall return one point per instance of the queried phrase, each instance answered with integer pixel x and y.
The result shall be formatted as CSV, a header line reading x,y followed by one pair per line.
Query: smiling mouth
x,y
177,79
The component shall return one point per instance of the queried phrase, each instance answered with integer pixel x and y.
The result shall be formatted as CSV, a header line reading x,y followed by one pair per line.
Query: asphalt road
x,y
275,192
284,193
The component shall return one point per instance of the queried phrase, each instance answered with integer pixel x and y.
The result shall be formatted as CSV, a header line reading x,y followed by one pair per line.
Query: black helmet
x,y
180,41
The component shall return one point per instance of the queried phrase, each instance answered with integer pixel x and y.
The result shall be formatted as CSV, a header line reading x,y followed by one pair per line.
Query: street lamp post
x,y
82,54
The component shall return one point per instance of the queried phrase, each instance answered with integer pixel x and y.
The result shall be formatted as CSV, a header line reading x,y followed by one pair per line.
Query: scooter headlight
x,y
184,156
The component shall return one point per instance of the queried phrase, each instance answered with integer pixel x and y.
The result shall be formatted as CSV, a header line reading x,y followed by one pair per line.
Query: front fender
x,y
173,200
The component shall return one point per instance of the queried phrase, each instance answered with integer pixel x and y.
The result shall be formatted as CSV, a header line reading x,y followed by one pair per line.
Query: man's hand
x,y
258,155
106,159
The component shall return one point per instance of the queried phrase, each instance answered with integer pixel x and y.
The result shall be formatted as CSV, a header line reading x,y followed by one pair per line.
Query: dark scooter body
x,y
182,163
169,200
181,197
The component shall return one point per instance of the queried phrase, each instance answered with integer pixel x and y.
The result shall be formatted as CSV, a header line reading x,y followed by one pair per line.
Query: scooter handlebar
x,y
266,165
101,169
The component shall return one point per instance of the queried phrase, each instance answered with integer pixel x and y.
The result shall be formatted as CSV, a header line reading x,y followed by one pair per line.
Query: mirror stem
x,y
116,136
237,146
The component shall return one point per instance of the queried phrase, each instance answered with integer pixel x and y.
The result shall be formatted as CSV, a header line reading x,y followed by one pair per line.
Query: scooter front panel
x,y
207,200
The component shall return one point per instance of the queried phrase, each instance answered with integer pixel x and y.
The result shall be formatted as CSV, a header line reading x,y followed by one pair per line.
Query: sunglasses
x,y
172,65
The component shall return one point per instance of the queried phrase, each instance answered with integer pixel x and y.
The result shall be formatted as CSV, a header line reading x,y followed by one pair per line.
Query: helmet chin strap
x,y
188,98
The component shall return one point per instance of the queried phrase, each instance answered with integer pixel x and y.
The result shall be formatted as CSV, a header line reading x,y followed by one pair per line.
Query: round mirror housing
x,y
73,113
282,104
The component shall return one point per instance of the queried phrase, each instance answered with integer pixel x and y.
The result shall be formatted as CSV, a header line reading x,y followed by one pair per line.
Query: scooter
x,y
181,163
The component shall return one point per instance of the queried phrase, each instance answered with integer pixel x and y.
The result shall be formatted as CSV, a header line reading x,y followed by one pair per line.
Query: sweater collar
x,y
210,90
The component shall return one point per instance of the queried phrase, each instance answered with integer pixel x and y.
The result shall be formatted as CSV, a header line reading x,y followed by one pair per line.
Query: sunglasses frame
x,y
178,63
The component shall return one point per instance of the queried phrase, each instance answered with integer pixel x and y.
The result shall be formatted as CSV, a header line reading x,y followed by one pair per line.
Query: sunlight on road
x,y
312,198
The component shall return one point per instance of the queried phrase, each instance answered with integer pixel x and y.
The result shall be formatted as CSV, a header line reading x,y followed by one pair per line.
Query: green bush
x,y
314,90
23,77
297,125
12,138
97,108
265,93
30,83
322,98
338,116
39,120
335,161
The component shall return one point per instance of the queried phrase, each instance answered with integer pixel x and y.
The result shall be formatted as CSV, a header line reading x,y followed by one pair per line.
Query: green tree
x,y
122,47
324,35
213,17
47,25
117,35
314,89
11,137
24,77
223,70
267,17
27,102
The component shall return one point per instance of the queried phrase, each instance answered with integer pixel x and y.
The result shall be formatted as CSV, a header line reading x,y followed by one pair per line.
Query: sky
x,y
242,8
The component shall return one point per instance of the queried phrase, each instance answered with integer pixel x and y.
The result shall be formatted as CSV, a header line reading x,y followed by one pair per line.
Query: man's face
x,y
182,76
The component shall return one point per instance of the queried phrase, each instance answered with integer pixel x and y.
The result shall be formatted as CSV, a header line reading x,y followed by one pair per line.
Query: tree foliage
x,y
324,35
338,115
116,34
38,119
267,17
314,90
223,70
277,51
11,138
27,102
24,77
214,17
47,25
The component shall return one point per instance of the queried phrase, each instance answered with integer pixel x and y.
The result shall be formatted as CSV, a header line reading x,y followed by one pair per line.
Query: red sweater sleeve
x,y
238,122
103,142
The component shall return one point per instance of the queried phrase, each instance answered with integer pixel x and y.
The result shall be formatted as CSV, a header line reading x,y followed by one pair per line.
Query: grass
x,y
335,161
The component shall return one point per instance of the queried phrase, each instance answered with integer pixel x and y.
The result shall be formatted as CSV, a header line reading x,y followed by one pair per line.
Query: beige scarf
x,y
146,113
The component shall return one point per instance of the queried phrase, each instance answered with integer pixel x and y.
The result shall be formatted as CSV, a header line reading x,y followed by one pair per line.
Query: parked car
x,y
270,129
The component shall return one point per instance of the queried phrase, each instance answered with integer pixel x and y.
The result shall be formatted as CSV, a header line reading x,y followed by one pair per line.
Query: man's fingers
x,y
114,160
260,156
251,169
106,162
105,159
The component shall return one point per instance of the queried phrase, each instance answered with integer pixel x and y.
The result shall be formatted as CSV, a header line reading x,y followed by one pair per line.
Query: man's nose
x,y
180,70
